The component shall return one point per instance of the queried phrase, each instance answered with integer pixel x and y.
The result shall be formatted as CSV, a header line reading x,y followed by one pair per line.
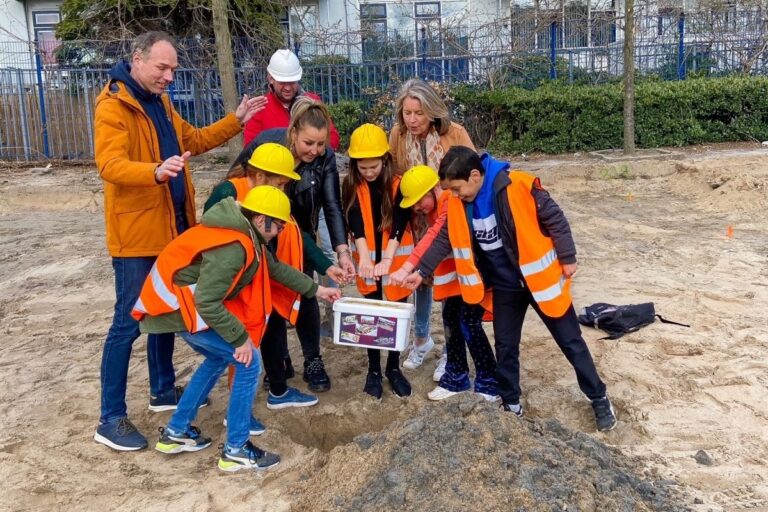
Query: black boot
x,y
315,376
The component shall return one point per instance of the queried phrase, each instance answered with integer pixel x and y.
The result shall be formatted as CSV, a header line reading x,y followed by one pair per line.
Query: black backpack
x,y
620,320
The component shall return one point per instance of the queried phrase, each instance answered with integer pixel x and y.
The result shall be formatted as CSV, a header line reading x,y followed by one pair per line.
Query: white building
x,y
22,21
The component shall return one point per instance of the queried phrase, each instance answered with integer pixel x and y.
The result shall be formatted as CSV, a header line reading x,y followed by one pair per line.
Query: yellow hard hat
x,y
268,200
274,158
368,141
415,184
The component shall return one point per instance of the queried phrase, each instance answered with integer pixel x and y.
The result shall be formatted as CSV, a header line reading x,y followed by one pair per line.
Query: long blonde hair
x,y
307,112
431,104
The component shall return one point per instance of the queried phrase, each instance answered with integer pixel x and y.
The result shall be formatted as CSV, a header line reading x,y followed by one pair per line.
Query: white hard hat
x,y
284,66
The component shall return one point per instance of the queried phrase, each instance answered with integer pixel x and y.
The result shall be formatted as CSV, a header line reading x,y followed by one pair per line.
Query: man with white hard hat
x,y
283,73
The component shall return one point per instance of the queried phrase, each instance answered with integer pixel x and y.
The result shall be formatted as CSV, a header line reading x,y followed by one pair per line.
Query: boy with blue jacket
x,y
506,229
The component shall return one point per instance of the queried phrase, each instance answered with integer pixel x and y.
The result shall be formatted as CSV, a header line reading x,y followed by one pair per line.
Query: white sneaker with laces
x,y
440,393
417,354
489,398
440,370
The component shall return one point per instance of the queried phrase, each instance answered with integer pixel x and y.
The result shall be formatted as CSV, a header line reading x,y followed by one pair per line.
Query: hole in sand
x,y
327,430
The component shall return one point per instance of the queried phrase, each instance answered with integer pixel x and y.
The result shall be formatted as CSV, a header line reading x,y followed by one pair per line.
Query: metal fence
x,y
47,94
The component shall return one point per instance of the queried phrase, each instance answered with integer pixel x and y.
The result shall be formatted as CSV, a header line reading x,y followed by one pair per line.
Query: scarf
x,y
434,151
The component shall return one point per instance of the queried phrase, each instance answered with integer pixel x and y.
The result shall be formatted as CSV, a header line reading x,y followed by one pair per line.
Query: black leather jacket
x,y
318,188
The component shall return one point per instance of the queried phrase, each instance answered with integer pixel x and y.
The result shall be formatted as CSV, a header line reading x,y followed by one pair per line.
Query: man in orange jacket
x,y
142,146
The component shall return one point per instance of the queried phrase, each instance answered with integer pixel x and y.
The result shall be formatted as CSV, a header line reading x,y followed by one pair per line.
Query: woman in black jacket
x,y
307,138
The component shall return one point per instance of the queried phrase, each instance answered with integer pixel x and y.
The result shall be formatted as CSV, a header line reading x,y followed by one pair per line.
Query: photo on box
x,y
384,342
348,336
386,324
366,330
365,319
349,319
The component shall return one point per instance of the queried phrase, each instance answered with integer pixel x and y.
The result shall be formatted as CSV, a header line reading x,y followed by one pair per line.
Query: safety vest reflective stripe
x,y
446,281
470,280
366,285
539,265
445,278
404,250
550,293
538,259
139,306
161,295
162,290
462,254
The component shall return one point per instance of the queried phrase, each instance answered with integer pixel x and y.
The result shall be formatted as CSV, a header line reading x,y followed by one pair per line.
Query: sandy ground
x,y
646,230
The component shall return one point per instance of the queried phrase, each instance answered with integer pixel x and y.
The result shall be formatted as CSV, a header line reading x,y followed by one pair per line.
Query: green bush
x,y
347,115
556,118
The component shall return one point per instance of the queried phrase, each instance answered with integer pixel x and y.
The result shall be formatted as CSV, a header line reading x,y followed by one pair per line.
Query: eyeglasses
x,y
268,221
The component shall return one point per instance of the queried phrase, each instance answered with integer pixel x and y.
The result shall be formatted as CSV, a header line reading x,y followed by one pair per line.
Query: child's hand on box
x,y
337,274
328,294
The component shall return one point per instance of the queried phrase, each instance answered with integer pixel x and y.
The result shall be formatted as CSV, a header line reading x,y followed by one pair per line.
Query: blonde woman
x,y
318,187
423,133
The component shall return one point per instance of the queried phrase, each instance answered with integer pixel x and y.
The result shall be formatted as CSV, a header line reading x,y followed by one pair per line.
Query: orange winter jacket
x,y
138,211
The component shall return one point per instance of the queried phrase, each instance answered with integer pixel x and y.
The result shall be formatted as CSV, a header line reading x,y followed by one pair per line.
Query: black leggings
x,y
374,357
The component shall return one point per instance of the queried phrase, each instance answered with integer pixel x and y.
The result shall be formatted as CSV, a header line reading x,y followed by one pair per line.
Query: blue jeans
x,y
422,299
218,355
130,274
325,244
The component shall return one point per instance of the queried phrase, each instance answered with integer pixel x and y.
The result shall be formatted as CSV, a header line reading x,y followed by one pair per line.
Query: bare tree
x,y
629,77
226,66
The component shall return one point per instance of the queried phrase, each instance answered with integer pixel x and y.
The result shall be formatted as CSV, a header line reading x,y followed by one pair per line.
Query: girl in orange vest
x,y
211,285
462,312
381,240
273,164
521,242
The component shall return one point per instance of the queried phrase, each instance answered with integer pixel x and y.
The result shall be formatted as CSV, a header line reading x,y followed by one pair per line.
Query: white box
x,y
367,323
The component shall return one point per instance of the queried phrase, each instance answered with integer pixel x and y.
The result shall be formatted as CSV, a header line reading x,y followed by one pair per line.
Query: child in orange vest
x,y
381,238
463,321
211,285
520,243
273,164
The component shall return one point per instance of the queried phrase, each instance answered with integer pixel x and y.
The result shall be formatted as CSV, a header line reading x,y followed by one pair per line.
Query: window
x,y
373,23
44,24
427,10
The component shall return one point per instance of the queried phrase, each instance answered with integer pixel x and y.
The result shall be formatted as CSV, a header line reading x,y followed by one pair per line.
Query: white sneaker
x,y
417,354
489,398
440,370
440,393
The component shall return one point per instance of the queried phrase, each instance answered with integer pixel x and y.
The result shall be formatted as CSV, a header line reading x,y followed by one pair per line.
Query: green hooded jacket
x,y
215,269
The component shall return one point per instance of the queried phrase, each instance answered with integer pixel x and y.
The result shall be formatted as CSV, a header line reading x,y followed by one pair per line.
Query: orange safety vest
x,y
538,260
445,283
468,276
404,250
161,295
242,187
290,250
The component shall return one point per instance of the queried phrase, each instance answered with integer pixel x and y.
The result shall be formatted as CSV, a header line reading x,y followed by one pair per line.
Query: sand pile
x,y
462,453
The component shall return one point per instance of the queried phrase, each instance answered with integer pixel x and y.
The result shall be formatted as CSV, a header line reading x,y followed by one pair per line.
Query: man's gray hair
x,y
147,40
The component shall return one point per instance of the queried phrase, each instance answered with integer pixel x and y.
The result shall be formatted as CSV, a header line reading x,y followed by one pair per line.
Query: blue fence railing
x,y
47,100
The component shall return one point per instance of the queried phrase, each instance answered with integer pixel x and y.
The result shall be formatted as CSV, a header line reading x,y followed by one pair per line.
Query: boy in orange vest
x,y
211,285
503,225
